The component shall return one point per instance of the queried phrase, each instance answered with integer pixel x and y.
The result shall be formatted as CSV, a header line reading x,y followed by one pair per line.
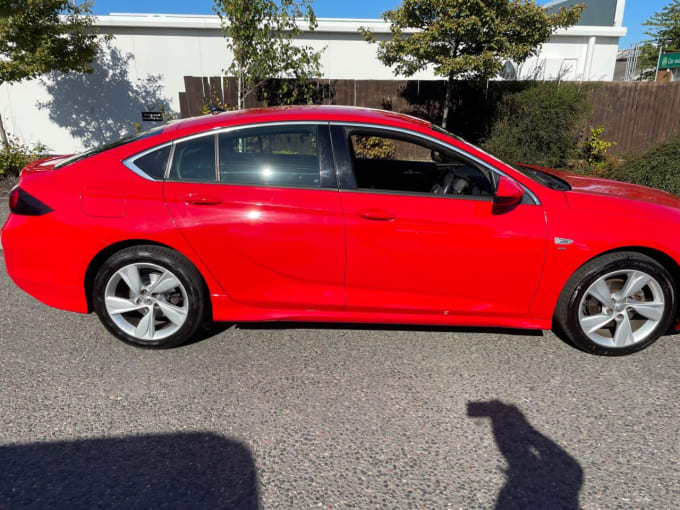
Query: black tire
x,y
183,269
566,320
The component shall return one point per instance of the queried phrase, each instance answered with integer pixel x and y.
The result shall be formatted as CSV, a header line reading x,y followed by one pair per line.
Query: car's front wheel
x,y
617,304
149,296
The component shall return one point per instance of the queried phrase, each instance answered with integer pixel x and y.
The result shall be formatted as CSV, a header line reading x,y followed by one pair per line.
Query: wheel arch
x,y
105,253
659,256
662,258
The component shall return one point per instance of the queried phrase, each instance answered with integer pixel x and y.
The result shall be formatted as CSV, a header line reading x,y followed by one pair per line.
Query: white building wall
x,y
150,55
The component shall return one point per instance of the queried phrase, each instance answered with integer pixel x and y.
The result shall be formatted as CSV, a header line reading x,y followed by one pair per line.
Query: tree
x,y
665,35
260,34
665,27
466,38
39,36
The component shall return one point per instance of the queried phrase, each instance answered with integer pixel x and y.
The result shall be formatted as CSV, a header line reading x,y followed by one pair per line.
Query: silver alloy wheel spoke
x,y
624,333
146,301
165,283
592,323
130,276
146,326
635,283
623,317
653,311
602,293
118,305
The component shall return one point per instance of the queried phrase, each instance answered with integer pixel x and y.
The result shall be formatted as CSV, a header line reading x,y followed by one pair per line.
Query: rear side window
x,y
271,156
194,160
153,163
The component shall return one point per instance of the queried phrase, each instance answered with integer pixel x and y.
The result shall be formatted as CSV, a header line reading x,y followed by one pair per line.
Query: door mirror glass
x,y
508,193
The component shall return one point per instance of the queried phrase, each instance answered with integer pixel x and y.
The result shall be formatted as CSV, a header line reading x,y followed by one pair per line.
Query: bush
x,y
18,155
659,167
542,125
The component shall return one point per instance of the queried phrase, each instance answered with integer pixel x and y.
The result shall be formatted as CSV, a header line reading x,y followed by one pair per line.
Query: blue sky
x,y
637,11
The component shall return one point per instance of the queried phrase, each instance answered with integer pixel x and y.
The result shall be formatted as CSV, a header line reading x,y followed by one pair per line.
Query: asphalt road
x,y
329,417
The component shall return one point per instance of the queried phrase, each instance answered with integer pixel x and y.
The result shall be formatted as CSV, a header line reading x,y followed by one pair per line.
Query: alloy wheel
x,y
621,308
146,301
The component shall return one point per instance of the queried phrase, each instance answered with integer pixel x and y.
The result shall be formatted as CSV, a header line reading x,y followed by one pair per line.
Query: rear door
x,y
261,208
422,234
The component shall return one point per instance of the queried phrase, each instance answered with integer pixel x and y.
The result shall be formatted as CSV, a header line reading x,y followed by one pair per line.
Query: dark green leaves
x,y
39,36
468,38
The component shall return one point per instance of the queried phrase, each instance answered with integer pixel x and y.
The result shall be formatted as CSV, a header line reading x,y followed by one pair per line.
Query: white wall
x,y
147,60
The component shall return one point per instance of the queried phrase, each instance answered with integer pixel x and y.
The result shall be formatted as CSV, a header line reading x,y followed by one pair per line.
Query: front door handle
x,y
376,215
200,199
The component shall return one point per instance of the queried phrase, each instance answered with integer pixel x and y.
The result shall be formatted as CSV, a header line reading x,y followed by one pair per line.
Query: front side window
x,y
388,163
194,160
271,156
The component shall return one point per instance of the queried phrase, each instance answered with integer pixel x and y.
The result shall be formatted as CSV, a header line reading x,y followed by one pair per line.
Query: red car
x,y
339,214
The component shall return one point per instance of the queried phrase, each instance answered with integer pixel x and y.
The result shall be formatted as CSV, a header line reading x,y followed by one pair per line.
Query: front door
x,y
422,236
267,219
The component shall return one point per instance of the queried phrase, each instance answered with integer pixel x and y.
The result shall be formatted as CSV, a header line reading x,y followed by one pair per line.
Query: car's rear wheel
x,y
149,296
617,304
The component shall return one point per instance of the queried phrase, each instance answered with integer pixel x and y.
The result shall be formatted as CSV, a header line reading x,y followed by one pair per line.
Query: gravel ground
x,y
288,416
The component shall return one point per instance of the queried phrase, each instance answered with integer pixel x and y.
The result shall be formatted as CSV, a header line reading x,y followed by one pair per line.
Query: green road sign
x,y
669,61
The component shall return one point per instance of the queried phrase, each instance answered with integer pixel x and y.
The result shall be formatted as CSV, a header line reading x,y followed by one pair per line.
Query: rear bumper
x,y
44,260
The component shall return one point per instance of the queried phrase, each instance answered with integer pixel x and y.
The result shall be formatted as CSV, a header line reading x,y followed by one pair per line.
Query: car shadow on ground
x,y
212,330
174,471
540,474
383,327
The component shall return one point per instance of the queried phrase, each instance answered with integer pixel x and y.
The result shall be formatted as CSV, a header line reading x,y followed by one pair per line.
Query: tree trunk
x,y
3,135
240,88
447,101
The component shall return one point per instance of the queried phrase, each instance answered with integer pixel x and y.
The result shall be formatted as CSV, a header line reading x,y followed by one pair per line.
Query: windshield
x,y
111,145
539,176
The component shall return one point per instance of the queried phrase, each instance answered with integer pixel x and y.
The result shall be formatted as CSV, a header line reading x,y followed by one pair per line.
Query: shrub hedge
x,y
659,167
17,155
541,125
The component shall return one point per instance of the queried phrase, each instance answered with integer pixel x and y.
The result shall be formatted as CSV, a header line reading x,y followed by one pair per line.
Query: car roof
x,y
326,113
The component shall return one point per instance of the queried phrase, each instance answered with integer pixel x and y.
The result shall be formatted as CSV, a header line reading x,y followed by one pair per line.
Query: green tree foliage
x,y
374,147
659,167
542,125
16,155
664,27
39,36
664,31
648,60
466,38
260,35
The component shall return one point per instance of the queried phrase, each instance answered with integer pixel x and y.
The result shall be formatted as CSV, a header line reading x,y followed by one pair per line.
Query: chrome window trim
x,y
129,162
216,133
435,141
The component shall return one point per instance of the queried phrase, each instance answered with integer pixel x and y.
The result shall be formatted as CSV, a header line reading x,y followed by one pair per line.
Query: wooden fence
x,y
635,115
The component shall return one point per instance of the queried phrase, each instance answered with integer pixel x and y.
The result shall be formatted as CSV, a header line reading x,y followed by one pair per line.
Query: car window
x,y
194,160
153,163
271,155
385,163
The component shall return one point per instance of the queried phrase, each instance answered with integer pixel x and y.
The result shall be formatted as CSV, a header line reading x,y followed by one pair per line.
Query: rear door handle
x,y
200,199
376,215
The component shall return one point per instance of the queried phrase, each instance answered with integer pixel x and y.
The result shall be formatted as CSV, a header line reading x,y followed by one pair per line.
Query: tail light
x,y
25,204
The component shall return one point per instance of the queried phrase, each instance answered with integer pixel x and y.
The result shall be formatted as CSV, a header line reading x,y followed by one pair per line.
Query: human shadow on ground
x,y
102,106
540,474
174,471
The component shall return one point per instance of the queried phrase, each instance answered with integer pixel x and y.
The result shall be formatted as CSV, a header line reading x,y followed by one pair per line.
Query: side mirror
x,y
508,193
